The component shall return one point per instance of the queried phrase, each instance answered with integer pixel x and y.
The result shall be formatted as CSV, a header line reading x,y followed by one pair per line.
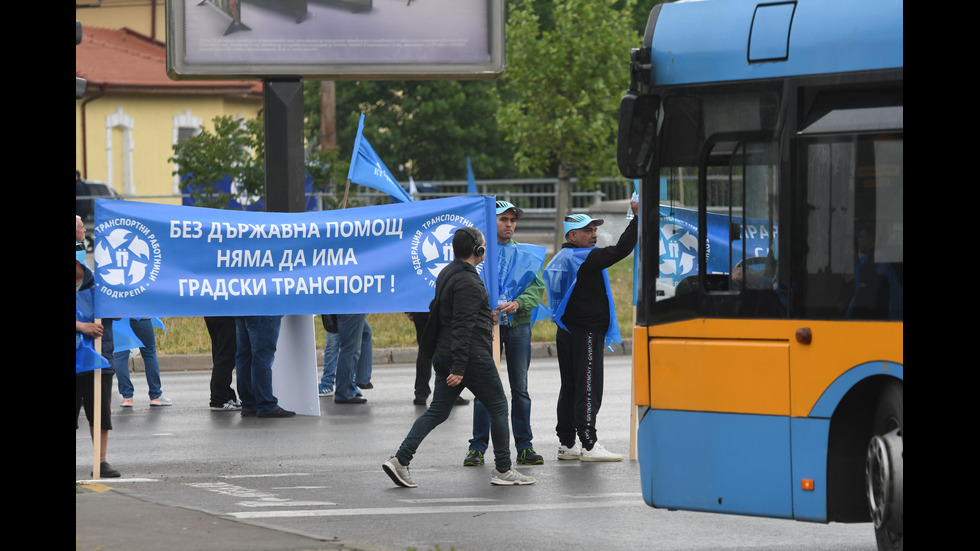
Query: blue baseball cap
x,y
578,221
504,206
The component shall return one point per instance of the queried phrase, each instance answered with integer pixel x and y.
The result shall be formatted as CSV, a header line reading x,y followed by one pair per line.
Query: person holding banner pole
x,y
460,332
88,362
515,338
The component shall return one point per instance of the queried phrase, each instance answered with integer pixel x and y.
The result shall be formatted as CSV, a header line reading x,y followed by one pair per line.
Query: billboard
x,y
335,39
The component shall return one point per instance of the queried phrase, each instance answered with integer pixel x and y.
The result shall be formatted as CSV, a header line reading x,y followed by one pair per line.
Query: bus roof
x,y
736,40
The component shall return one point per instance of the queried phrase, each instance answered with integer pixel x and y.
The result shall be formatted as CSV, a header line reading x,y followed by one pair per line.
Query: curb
x,y
381,357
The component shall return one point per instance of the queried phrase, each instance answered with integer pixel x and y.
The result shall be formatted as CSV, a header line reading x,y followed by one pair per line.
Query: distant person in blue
x,y
86,330
143,329
581,300
515,339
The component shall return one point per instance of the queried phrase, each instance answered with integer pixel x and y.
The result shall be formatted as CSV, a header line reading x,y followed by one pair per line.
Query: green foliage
x,y
233,150
567,69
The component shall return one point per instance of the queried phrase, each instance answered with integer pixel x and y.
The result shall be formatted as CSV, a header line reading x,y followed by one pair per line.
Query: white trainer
x,y
399,473
510,478
575,452
599,453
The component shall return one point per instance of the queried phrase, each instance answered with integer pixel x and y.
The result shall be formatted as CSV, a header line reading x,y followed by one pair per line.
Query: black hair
x,y
466,243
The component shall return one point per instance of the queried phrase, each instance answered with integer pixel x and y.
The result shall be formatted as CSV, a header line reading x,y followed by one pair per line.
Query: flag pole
x,y
346,189
97,416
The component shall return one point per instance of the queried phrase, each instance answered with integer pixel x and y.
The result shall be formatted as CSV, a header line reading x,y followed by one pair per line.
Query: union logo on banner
x,y
127,255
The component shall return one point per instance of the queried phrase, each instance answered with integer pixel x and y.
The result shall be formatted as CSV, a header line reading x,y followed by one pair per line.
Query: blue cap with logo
x,y
578,221
504,206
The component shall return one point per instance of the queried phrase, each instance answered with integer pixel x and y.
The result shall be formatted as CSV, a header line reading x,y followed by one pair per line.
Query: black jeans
x,y
482,379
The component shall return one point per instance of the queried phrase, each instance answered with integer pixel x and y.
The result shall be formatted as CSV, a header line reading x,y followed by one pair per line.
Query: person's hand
x,y
90,329
509,307
635,207
409,316
454,380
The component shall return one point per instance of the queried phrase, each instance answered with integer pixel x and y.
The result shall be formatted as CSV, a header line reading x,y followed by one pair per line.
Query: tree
x,y
423,129
228,164
560,99
232,153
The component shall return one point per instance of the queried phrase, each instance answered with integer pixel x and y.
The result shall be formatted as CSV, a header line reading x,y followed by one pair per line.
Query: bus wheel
x,y
884,469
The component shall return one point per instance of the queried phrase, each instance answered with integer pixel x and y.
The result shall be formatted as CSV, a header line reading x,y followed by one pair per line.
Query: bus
x,y
768,347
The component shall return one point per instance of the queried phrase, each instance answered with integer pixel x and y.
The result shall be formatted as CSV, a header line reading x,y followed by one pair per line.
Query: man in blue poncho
x,y
580,297
521,288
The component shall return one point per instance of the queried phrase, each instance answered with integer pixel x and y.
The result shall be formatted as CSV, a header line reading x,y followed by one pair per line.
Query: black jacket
x,y
588,307
465,324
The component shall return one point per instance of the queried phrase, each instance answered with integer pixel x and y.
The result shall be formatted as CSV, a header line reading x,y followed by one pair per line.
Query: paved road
x,y
196,479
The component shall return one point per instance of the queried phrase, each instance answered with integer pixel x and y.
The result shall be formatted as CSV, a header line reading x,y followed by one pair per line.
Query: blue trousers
x,y
257,338
354,359
483,381
143,329
517,345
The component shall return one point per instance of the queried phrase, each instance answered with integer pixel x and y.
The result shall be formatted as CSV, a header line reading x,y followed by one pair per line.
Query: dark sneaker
x,y
460,401
278,413
473,459
106,471
419,400
365,386
248,413
528,457
399,473
354,400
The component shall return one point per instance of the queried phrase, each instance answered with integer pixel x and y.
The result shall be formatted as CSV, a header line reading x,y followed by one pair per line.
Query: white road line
x,y
449,500
381,511
115,480
285,503
270,475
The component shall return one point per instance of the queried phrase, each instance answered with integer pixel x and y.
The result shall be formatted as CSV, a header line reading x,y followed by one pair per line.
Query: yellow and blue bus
x,y
768,352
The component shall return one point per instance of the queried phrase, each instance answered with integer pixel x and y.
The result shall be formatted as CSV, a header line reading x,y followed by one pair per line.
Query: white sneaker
x,y
230,405
399,473
161,401
575,452
598,453
510,478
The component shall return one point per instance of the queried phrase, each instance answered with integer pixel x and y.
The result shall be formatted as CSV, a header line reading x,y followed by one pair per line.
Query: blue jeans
x,y
483,381
257,338
143,329
354,360
517,344
330,353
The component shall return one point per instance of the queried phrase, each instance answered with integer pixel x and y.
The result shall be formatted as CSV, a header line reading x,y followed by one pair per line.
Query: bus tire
x,y
884,468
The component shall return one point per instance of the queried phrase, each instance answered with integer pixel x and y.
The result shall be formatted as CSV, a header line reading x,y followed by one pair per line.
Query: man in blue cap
x,y
581,300
521,292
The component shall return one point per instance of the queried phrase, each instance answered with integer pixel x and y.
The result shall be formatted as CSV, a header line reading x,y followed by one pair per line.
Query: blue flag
x,y
367,169
470,180
123,337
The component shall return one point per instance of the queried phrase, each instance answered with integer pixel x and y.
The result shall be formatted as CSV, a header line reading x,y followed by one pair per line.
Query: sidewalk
x,y
110,520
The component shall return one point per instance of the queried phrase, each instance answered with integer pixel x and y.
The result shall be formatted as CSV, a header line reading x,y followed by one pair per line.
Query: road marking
x,y
449,500
600,496
116,480
286,503
502,508
270,475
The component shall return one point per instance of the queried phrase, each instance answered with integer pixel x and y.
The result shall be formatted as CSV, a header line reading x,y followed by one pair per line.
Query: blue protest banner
x,y
679,242
165,260
367,169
